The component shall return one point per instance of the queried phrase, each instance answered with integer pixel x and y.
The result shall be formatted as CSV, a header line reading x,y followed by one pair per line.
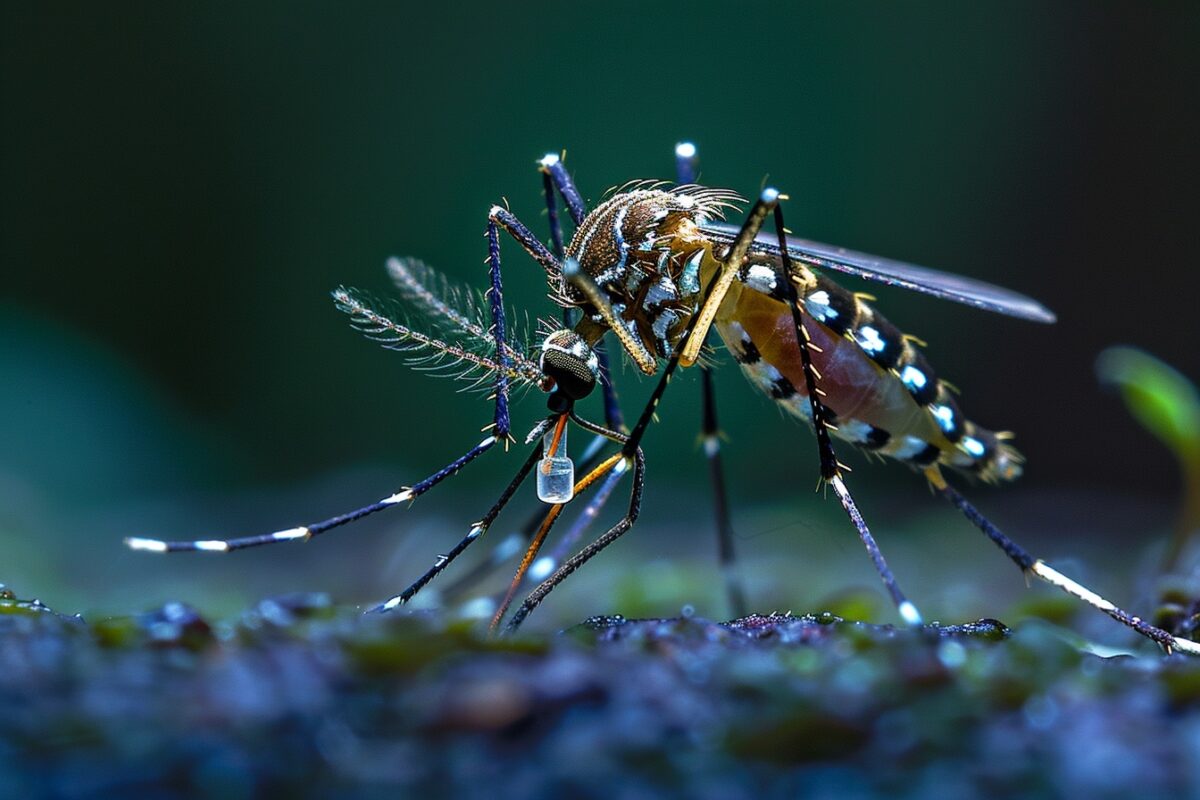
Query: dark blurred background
x,y
183,184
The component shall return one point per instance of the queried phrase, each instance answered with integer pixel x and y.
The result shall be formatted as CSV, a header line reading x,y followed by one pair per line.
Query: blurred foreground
x,y
298,698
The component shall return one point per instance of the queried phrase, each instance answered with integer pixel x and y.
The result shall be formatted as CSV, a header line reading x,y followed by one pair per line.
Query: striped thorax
x,y
644,248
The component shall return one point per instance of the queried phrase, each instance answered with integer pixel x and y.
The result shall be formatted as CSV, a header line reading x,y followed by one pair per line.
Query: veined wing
x,y
894,273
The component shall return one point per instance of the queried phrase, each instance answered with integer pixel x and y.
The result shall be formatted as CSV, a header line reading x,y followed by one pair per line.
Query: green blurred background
x,y
184,183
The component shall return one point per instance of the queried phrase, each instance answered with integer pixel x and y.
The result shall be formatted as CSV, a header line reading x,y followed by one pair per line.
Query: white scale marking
x,y
818,306
622,247
402,496
761,279
291,533
149,545
913,378
854,430
973,446
1056,578
764,373
689,281
909,447
944,416
869,339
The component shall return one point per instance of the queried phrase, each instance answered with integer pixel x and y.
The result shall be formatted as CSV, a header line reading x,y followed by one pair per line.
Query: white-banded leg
x,y
303,533
499,431
477,530
831,468
552,167
557,245
1036,567
687,158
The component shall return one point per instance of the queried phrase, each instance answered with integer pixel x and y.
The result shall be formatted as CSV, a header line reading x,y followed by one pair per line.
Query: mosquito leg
x,y
686,162
613,418
711,436
546,564
501,425
556,234
514,542
552,167
1042,570
631,449
495,295
499,432
831,468
703,318
306,532
583,556
536,544
503,218
498,215
604,540
477,530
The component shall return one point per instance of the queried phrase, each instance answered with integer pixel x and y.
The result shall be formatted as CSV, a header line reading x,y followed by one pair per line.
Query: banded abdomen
x,y
882,392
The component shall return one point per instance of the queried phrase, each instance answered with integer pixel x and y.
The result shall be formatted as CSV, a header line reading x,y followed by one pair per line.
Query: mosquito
x,y
656,266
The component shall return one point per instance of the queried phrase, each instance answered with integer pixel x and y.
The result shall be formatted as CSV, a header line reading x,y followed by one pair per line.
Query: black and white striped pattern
x,y
963,444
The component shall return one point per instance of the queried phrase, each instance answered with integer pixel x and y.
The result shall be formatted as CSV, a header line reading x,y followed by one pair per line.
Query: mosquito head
x,y
571,364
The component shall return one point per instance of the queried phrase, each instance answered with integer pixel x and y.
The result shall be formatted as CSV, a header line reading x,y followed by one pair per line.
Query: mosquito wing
x,y
895,273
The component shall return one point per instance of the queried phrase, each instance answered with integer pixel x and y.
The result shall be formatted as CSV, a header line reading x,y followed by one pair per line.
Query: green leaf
x,y
1164,401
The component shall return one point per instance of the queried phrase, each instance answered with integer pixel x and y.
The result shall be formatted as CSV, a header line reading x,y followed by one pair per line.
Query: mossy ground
x,y
299,698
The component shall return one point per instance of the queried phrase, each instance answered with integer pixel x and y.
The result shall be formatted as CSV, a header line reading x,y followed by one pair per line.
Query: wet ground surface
x,y
299,698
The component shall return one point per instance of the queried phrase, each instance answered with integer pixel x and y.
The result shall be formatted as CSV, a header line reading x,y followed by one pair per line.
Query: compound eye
x,y
573,365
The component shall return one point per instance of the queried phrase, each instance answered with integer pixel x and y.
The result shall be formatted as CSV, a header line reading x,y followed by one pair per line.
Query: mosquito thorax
x,y
571,364
643,247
